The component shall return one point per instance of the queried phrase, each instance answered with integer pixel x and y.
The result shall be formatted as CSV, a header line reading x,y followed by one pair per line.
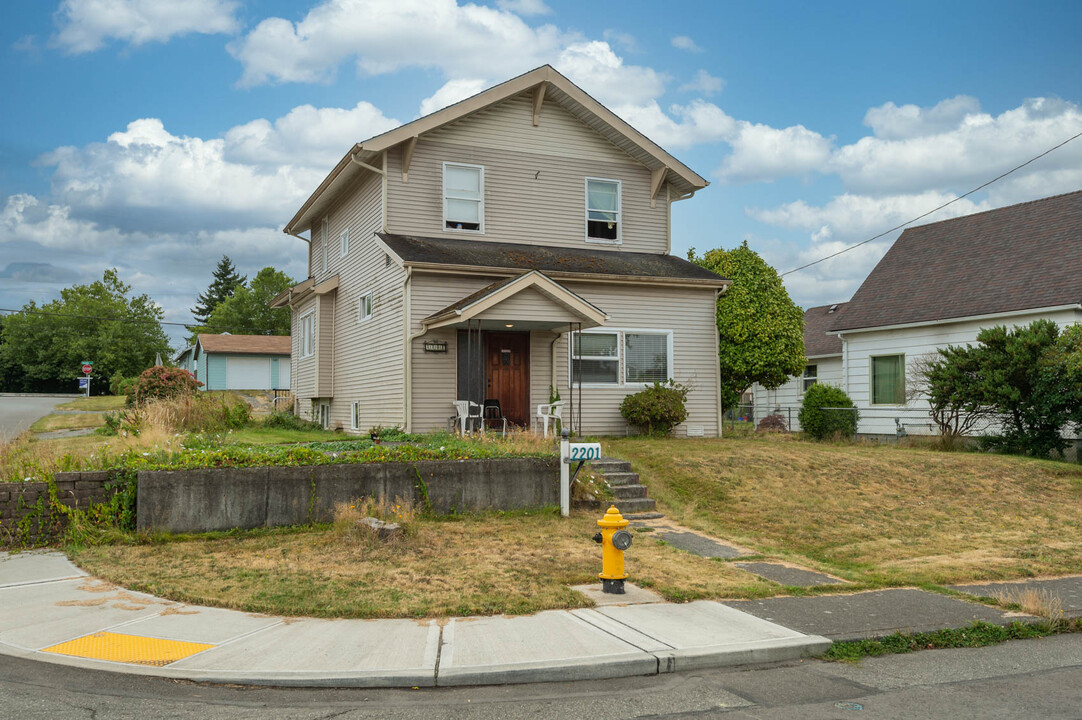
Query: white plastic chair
x,y
467,410
553,412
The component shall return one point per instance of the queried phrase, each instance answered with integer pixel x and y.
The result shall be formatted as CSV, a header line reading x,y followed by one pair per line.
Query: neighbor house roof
x,y
554,261
246,344
546,85
817,322
1015,258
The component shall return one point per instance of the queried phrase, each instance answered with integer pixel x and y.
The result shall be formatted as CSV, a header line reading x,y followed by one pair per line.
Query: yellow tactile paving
x,y
118,647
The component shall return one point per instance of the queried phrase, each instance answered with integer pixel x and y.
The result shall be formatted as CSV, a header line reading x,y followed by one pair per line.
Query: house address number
x,y
578,452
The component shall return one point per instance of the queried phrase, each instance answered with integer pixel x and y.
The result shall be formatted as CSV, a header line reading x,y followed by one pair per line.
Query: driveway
x,y
17,413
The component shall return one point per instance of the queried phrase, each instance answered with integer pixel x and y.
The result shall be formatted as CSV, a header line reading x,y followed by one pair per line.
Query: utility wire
x,y
189,326
951,202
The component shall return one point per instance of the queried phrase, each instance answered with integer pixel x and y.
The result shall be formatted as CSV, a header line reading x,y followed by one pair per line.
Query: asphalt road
x,y
18,413
1029,678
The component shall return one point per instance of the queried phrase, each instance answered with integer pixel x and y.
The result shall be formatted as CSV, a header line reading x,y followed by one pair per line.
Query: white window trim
x,y
804,377
324,238
323,415
362,306
481,203
343,243
619,211
621,374
871,381
308,338
354,416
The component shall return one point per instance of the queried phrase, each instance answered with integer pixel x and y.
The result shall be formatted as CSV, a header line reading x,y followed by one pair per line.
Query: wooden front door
x,y
507,374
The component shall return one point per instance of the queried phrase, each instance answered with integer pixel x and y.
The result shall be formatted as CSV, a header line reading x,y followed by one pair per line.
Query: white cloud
x,y
307,135
952,145
683,42
451,92
25,220
763,153
524,7
602,73
85,25
683,126
385,35
705,83
848,216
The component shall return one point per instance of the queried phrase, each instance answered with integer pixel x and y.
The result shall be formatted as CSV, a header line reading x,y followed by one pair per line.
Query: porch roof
x,y
556,308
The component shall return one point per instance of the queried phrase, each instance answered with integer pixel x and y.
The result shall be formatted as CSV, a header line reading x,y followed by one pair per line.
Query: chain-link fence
x,y
878,421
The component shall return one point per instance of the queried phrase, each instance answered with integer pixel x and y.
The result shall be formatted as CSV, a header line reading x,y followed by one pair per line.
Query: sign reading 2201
x,y
577,452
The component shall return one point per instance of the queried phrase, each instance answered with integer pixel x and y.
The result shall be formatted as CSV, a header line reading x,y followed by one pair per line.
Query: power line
x,y
189,326
951,202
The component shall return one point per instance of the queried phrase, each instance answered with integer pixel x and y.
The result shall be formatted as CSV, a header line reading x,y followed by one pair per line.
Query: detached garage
x,y
239,362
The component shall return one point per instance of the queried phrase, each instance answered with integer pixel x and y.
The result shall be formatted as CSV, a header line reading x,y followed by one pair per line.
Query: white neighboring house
x,y
940,284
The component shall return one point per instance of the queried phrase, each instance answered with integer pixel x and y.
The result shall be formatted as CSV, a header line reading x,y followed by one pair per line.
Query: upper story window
x,y
811,376
343,243
463,197
307,340
364,307
324,238
602,210
888,380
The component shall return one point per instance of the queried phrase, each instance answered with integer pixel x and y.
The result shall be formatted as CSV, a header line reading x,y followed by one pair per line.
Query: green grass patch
x,y
99,403
62,421
979,634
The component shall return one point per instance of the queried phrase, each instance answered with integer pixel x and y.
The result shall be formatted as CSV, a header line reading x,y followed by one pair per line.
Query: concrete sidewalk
x,y
54,612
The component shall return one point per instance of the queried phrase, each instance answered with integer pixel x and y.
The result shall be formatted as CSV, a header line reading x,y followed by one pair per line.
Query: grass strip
x,y
979,634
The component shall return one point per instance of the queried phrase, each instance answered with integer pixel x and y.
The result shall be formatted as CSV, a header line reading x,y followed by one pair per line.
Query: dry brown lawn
x,y
68,421
471,566
879,515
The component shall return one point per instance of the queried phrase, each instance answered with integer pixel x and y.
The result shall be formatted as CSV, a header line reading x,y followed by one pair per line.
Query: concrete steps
x,y
629,495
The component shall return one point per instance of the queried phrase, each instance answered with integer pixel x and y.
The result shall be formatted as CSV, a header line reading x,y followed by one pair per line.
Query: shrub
x,y
289,421
161,382
657,409
772,423
819,418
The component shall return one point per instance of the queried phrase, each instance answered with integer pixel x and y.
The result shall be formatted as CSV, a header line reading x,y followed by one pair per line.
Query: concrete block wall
x,y
77,490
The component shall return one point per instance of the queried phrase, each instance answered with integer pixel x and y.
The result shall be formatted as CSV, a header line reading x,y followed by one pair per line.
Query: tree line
x,y
42,346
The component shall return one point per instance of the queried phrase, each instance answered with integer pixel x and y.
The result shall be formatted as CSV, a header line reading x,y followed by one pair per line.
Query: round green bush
x,y
657,409
821,417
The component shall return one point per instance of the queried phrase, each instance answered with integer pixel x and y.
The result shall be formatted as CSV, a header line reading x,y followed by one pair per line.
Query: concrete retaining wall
x,y
226,498
26,514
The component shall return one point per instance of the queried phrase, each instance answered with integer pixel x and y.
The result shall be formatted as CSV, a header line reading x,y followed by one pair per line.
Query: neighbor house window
x,y
364,307
463,197
621,357
595,357
811,376
888,380
343,243
646,357
307,341
354,422
324,237
603,210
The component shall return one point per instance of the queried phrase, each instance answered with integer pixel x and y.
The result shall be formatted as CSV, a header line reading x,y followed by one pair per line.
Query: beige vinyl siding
x,y
535,181
302,371
688,313
325,332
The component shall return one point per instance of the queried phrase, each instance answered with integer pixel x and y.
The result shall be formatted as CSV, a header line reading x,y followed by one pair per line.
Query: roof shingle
x,y
1014,258
817,322
248,344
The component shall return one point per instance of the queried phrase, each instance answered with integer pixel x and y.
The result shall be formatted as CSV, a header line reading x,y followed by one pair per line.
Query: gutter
x,y
965,318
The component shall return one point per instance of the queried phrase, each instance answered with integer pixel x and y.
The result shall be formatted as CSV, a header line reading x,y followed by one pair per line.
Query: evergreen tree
x,y
221,289
249,312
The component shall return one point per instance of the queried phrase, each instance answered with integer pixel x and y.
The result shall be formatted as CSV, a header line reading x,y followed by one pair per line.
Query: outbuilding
x,y
239,362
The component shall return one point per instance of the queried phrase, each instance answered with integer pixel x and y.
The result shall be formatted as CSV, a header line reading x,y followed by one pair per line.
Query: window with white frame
x,y
811,376
343,243
364,307
354,412
307,340
324,239
603,210
621,357
463,197
888,380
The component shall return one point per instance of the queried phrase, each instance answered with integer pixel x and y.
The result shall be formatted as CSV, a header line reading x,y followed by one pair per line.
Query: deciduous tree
x,y
249,312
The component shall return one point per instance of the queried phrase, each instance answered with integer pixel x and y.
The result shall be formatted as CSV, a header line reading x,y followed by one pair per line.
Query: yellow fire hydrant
x,y
614,539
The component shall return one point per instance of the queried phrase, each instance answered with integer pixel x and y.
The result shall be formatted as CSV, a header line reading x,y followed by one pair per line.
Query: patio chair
x,y
493,411
553,411
466,410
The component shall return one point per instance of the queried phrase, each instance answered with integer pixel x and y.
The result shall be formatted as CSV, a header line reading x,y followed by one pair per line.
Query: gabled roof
x,y
445,253
547,85
1015,258
247,344
492,295
817,321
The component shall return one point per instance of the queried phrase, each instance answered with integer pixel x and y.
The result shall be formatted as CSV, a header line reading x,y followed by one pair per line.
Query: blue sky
x,y
153,136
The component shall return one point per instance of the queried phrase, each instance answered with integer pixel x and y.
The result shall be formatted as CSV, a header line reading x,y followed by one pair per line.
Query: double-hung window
x,y
323,240
353,416
343,243
602,210
364,307
463,197
621,357
811,376
307,341
888,380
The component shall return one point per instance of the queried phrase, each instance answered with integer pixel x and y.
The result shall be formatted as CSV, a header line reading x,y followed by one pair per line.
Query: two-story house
x,y
510,246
